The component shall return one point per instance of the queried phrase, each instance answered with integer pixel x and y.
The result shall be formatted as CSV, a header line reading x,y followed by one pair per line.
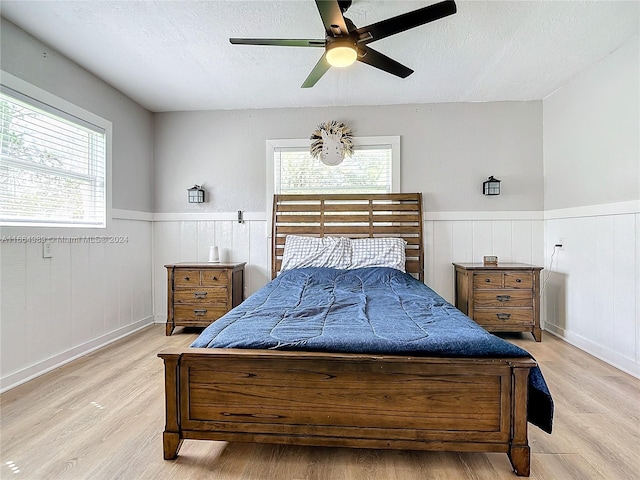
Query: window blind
x,y
52,165
369,170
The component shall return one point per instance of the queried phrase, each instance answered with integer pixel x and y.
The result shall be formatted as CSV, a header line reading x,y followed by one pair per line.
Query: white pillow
x,y
302,252
378,252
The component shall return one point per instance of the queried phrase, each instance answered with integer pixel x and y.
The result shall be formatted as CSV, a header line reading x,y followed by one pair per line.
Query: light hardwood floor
x,y
98,419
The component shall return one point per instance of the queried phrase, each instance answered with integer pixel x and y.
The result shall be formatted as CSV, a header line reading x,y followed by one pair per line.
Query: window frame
x,y
68,110
272,145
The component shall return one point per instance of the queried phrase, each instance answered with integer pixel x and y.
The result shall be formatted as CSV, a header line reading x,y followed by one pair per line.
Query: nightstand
x,y
200,293
501,298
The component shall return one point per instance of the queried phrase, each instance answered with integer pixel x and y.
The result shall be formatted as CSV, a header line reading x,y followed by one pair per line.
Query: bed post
x,y
171,437
519,452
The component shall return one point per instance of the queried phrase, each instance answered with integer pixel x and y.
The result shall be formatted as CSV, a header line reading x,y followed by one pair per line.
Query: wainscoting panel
x,y
189,241
462,241
592,295
95,288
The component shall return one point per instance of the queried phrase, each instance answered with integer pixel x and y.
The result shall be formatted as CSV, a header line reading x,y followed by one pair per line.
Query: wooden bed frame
x,y
348,400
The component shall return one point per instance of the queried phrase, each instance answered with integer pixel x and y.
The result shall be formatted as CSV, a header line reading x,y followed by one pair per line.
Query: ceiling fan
x,y
344,43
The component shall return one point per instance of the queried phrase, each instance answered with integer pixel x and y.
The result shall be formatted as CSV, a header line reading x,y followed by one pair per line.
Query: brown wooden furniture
x,y
501,298
353,216
349,400
200,293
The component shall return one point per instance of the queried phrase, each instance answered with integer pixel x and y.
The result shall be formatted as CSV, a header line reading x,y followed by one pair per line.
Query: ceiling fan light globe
x,y
341,56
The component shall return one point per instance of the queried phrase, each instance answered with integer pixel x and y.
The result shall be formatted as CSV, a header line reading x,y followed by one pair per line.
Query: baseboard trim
x,y
602,353
40,368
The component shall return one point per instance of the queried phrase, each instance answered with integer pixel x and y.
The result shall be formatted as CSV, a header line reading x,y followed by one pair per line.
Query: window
x,y
53,164
373,168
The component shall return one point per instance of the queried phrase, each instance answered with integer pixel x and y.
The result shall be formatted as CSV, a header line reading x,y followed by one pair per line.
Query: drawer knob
x,y
503,298
186,279
487,280
200,312
518,280
503,316
214,278
200,294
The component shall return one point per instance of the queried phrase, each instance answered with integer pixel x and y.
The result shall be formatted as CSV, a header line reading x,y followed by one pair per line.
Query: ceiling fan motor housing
x,y
341,51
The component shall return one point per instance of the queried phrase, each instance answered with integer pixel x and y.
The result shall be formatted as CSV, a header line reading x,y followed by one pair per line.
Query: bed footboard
x,y
348,400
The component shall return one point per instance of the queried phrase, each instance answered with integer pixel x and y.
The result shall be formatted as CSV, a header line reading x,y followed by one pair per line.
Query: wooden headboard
x,y
353,216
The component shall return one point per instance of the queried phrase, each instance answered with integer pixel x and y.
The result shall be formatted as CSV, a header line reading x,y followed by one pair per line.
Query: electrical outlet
x,y
560,243
46,250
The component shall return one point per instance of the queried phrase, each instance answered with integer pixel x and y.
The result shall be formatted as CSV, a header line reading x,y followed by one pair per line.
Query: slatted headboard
x,y
353,216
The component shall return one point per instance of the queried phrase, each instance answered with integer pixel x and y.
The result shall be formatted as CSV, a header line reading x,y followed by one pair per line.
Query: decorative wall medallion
x,y
332,141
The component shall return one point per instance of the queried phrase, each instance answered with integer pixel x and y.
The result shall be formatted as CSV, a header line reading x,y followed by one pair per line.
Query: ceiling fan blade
x,y
406,21
279,42
376,59
318,71
332,18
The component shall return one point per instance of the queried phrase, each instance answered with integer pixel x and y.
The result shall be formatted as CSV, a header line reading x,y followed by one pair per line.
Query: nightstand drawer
x,y
500,318
522,280
205,278
201,295
212,278
200,313
187,278
487,280
503,298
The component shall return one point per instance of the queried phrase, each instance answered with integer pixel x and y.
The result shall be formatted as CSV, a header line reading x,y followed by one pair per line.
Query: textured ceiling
x,y
175,55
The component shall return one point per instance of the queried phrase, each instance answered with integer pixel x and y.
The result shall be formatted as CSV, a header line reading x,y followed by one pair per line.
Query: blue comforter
x,y
367,310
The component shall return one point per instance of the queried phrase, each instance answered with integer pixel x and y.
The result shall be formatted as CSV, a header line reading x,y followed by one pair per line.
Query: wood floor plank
x,y
99,418
568,467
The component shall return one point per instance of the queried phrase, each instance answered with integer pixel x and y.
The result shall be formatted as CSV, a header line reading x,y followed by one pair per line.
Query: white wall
x,y
448,150
468,237
86,294
592,199
36,63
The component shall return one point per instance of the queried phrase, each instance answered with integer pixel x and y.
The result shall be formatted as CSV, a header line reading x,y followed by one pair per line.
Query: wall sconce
x,y
491,186
196,194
